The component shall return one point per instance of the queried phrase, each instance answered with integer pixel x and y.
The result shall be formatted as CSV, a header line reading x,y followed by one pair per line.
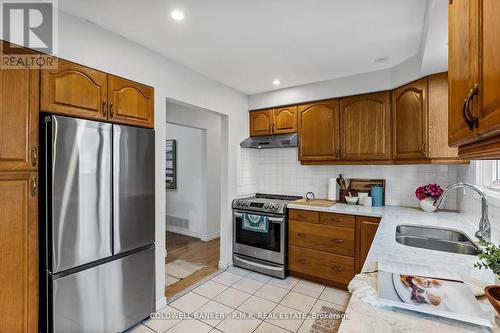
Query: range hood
x,y
271,141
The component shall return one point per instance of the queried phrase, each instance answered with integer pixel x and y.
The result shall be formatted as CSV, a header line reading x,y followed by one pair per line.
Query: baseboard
x,y
161,303
223,265
183,231
209,237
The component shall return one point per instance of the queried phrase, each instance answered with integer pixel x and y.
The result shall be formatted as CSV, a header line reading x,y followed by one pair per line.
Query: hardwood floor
x,y
192,250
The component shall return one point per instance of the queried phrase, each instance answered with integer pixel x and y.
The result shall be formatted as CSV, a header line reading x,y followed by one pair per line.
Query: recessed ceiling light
x,y
382,59
177,15
276,82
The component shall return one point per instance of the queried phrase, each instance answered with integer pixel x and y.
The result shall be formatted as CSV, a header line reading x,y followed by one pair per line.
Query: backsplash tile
x,y
278,171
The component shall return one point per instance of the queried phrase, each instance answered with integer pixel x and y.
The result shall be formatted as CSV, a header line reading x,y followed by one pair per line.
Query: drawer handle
x,y
336,220
302,235
337,269
304,261
301,216
338,241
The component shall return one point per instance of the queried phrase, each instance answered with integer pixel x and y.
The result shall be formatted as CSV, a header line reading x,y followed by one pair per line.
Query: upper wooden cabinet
x,y
284,120
438,148
474,78
261,122
130,103
318,125
409,112
74,90
83,92
19,91
365,132
18,252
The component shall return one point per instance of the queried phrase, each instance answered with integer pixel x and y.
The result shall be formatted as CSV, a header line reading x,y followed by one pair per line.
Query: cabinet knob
x,y
33,186
111,110
104,111
34,156
337,269
470,119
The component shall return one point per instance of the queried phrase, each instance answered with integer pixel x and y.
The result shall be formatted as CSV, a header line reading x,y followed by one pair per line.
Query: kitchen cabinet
x,y
438,150
420,122
130,103
18,252
474,78
284,120
409,114
365,127
318,126
74,90
328,247
19,119
261,122
366,228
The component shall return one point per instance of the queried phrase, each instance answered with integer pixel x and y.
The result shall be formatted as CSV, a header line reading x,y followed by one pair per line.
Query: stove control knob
x,y
266,206
247,203
238,203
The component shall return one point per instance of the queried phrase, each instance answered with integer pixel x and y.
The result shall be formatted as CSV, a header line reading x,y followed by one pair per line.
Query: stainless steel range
x,y
262,251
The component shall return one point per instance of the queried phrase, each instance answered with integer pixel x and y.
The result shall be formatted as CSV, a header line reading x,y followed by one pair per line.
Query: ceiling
x,y
245,44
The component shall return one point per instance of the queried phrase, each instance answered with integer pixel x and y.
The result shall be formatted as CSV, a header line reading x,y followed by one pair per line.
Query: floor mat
x,y
179,269
327,325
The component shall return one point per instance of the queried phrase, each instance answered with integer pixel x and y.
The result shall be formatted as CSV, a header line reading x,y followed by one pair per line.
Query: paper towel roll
x,y
332,188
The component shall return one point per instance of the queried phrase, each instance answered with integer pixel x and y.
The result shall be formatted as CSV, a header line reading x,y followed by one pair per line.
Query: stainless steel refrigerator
x,y
97,226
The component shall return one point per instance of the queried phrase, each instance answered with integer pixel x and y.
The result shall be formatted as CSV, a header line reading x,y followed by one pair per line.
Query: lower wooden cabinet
x,y
366,230
327,247
18,252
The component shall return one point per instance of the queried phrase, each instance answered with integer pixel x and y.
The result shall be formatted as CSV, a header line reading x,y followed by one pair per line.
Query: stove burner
x,y
271,203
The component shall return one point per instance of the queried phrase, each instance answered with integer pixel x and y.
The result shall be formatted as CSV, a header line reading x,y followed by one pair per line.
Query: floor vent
x,y
178,222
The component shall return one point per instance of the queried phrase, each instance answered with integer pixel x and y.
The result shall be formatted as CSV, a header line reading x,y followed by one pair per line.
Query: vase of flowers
x,y
427,195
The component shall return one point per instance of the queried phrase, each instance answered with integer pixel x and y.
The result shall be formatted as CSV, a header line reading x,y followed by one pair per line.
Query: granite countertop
x,y
364,317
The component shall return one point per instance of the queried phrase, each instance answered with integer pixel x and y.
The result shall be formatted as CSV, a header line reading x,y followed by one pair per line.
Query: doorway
x,y
193,197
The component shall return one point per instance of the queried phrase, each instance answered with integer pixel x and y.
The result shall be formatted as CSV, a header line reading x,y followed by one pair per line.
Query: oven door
x,y
268,246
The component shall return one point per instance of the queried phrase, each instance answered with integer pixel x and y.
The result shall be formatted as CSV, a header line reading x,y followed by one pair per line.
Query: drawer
x,y
303,215
338,220
321,237
322,265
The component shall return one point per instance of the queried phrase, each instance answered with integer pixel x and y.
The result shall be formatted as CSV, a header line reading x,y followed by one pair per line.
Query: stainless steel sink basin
x,y
438,239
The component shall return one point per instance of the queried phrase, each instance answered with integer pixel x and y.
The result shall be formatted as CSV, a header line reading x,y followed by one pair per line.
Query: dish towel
x,y
257,223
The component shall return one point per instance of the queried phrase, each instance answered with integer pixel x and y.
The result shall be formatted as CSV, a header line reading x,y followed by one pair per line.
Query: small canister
x,y
377,195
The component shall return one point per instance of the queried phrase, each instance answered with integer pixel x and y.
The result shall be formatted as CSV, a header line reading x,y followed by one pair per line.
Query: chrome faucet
x,y
484,232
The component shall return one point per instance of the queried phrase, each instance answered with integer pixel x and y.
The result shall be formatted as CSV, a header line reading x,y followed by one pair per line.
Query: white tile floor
x,y
239,291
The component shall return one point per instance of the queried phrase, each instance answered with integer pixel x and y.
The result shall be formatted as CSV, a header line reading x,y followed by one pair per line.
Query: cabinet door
x,y
319,131
438,118
18,253
285,120
130,103
409,114
261,122
19,119
365,127
74,90
489,85
462,69
366,230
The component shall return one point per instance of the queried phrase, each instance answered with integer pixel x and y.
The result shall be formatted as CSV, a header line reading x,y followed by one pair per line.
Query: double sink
x,y
439,239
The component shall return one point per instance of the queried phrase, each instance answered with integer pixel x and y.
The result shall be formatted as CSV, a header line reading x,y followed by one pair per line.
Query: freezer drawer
x,y
107,298
78,191
133,187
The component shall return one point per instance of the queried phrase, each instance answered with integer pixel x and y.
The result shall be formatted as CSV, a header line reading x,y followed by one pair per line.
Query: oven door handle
x,y
272,219
259,265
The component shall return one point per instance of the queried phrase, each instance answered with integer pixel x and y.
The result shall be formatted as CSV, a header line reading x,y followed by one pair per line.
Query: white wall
x,y
279,171
90,45
212,124
187,202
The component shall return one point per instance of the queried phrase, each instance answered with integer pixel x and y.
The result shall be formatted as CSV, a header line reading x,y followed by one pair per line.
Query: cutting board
x,y
315,202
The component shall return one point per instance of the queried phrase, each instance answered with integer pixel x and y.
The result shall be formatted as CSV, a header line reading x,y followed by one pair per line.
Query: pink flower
x,y
430,190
